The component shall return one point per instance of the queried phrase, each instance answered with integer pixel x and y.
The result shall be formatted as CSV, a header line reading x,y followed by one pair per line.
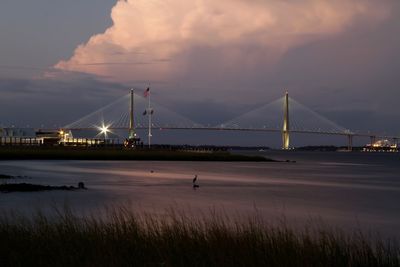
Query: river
x,y
346,190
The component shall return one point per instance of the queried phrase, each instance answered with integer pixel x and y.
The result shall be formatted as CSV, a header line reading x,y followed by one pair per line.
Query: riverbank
x,y
72,153
27,187
174,239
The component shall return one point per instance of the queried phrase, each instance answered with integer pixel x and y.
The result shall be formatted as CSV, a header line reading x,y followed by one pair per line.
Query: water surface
x,y
346,190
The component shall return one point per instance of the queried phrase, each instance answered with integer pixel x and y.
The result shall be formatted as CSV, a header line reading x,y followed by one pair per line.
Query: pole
x,y
149,111
286,127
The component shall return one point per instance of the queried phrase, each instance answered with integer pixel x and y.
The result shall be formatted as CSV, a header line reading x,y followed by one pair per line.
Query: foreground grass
x,y
71,153
128,239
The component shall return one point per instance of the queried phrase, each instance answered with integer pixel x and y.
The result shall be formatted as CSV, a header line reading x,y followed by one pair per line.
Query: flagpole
x,y
149,114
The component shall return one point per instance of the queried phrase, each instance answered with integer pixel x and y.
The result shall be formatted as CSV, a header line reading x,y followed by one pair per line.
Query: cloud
x,y
163,39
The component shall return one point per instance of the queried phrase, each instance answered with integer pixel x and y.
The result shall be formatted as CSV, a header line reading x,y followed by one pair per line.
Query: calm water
x,y
343,189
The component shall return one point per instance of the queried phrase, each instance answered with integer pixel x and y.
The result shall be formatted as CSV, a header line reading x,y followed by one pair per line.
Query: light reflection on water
x,y
344,189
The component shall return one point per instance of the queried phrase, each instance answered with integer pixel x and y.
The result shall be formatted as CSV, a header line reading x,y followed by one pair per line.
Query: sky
x,y
208,60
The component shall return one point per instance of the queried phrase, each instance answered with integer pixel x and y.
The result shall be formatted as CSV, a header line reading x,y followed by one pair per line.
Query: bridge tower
x,y
286,127
132,132
373,139
350,142
133,139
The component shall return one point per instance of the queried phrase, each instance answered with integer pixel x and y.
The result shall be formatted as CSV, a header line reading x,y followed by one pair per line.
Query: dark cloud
x,y
50,102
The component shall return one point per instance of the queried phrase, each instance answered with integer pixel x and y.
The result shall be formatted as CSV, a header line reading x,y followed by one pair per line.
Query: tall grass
x,y
124,238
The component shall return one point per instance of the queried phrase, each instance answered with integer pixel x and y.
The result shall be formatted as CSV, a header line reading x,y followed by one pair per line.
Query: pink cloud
x,y
152,39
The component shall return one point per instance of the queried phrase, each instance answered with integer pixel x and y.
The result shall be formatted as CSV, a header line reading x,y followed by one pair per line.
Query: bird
x,y
81,185
194,182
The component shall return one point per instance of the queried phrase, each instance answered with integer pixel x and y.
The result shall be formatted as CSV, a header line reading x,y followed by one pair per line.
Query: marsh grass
x,y
125,238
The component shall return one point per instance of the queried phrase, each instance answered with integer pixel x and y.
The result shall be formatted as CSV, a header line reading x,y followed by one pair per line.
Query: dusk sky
x,y
208,60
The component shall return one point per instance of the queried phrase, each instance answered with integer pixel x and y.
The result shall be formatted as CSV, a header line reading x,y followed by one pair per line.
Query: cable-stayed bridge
x,y
116,115
285,116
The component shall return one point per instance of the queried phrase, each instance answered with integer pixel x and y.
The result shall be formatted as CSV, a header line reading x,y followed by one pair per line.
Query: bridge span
x,y
285,116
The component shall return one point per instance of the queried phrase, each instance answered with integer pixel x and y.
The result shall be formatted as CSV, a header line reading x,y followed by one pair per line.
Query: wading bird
x,y
194,182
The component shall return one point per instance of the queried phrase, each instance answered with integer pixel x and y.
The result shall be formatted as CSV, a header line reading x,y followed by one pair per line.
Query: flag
x,y
148,112
147,92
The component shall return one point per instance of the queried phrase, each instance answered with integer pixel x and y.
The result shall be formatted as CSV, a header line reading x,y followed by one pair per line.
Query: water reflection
x,y
344,189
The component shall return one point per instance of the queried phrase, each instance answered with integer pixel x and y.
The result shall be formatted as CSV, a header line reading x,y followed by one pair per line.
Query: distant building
x,y
30,137
382,145
49,137
18,136
17,132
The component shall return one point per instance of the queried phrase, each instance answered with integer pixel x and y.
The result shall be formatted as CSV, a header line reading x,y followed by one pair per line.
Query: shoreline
x,y
62,153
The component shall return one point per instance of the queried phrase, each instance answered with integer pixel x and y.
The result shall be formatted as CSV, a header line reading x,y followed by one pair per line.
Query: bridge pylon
x,y
133,139
286,125
350,142
132,132
372,139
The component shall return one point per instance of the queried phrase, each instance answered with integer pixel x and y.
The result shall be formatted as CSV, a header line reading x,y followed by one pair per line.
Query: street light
x,y
104,129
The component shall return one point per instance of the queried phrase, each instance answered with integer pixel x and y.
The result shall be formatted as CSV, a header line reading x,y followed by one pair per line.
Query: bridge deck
x,y
252,130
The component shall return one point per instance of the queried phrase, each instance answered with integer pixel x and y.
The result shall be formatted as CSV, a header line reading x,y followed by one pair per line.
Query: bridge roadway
x,y
348,134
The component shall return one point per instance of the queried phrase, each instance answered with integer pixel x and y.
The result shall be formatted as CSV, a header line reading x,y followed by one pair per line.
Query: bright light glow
x,y
104,129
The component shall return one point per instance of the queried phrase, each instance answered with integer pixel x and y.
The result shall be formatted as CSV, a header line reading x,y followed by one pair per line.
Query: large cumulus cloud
x,y
159,39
